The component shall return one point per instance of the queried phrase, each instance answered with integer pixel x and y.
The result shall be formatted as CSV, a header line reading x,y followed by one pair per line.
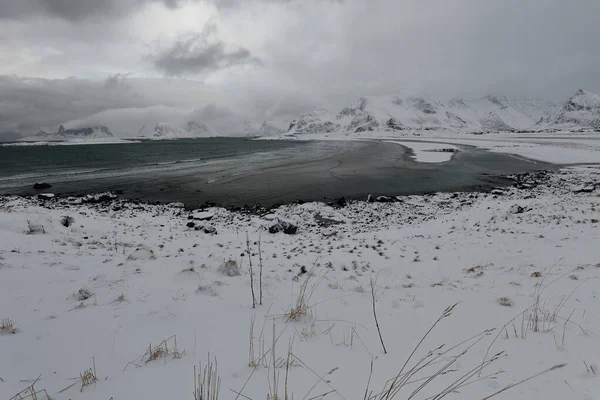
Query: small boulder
x,y
45,196
202,216
497,192
286,227
341,202
516,209
584,189
211,230
190,224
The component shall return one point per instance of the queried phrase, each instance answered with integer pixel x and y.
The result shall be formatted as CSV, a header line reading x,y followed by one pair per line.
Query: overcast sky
x,y
63,61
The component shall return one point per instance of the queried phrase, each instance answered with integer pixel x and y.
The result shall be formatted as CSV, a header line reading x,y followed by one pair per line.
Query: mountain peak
x,y
582,110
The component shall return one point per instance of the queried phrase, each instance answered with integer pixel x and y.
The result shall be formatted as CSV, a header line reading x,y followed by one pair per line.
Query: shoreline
x,y
350,169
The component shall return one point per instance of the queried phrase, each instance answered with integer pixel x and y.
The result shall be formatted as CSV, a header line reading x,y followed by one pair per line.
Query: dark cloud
x,y
28,105
198,53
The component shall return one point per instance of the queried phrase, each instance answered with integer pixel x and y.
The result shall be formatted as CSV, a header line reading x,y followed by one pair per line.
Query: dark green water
x,y
233,171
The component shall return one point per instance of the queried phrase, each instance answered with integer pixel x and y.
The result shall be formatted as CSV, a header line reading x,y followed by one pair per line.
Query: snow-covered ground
x,y
558,148
122,277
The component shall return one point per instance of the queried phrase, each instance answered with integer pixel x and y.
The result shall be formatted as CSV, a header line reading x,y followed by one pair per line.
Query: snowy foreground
x,y
104,292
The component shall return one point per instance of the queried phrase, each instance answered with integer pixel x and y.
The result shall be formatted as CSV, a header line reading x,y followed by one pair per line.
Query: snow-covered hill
x,y
392,113
581,111
91,132
165,131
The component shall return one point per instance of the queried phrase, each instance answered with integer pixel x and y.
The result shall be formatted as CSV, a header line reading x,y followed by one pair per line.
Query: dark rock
x,y
283,226
210,230
325,222
516,209
42,185
370,199
190,224
384,199
67,221
341,202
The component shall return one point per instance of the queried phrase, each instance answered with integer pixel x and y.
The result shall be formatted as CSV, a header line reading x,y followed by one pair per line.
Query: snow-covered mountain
x,y
581,111
165,131
490,113
91,132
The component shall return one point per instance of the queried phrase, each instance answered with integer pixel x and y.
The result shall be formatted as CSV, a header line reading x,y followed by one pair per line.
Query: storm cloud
x,y
200,52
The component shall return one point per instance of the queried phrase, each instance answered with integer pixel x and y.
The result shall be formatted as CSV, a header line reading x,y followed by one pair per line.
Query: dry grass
x,y
82,294
31,393
302,307
230,268
207,383
167,347
7,325
505,301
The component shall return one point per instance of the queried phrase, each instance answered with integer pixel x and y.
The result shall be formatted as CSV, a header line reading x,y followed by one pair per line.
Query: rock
x,y
98,198
190,224
384,199
35,229
43,185
210,230
516,209
286,227
584,189
326,222
341,202
370,199
497,192
45,196
202,216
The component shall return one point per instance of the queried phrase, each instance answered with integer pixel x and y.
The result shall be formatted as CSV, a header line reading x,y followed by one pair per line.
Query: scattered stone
x,y
45,196
497,192
98,198
516,209
211,230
